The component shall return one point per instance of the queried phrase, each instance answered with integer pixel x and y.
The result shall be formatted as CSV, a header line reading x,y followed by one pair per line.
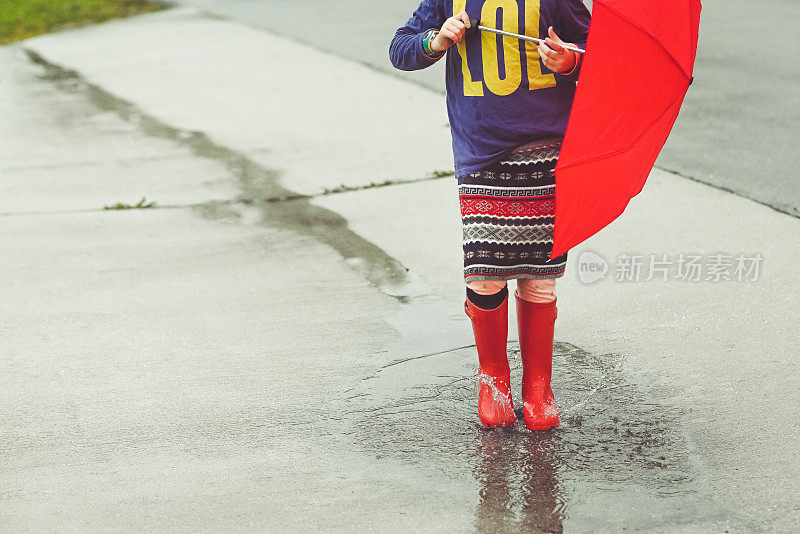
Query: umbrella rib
x,y
630,145
647,33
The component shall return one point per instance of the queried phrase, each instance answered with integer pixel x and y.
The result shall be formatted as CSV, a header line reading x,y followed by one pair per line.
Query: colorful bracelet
x,y
429,36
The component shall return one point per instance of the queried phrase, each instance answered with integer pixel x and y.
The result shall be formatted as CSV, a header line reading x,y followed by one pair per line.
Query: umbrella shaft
x,y
525,37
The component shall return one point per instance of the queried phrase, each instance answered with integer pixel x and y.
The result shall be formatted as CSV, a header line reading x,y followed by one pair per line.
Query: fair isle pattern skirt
x,y
508,214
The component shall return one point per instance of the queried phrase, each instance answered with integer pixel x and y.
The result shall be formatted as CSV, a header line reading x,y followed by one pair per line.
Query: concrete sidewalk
x,y
737,112
156,372
191,367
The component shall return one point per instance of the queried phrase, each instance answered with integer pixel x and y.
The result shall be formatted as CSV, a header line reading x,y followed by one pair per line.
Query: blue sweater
x,y
499,94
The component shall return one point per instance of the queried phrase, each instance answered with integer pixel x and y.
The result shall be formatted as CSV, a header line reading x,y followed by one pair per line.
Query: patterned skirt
x,y
508,214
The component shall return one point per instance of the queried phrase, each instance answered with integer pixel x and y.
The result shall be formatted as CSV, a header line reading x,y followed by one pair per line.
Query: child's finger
x,y
546,51
448,34
554,45
456,25
458,32
448,31
547,56
542,55
463,17
552,33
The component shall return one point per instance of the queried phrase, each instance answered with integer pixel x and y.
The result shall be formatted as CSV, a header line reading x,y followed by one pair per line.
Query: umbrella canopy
x,y
636,70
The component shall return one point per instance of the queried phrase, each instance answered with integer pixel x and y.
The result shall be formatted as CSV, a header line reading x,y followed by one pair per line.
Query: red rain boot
x,y
536,323
495,407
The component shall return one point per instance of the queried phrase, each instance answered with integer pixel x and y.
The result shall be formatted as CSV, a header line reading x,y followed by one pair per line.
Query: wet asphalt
x,y
738,125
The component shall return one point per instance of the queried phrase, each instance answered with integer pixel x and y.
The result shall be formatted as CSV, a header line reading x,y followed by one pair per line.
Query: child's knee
x,y
486,287
537,289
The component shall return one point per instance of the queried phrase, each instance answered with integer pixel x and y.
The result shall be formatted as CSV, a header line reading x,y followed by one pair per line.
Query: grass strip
x,y
21,19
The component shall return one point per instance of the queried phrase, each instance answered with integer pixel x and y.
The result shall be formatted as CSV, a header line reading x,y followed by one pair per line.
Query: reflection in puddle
x,y
519,488
618,438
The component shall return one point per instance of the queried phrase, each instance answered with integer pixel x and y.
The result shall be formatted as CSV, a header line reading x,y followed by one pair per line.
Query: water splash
x,y
482,379
620,440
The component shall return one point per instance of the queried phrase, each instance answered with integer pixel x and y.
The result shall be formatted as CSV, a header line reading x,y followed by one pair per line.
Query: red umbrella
x,y
635,73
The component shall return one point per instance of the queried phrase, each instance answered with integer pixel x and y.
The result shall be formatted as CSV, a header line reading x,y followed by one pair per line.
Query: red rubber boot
x,y
536,326
495,407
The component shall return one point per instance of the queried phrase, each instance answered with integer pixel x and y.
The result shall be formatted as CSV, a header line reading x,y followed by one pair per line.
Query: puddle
x,y
620,441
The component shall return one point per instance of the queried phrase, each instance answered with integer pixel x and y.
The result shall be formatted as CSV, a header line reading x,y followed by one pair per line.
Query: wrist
x,y
437,44
573,65
428,46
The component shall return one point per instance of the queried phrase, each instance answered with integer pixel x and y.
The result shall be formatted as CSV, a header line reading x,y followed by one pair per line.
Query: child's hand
x,y
452,32
553,54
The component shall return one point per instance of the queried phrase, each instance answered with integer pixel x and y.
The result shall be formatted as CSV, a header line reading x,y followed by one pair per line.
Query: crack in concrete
x,y
427,355
92,162
599,386
785,209
231,201
257,183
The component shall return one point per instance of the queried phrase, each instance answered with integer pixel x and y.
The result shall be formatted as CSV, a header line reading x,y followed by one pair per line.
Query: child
x,y
508,108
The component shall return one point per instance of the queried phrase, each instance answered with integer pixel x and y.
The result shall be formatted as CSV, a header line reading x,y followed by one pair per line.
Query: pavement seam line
x,y
92,162
227,202
387,274
128,111
788,210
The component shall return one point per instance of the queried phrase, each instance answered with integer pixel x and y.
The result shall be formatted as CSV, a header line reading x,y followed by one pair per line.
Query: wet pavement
x,y
738,123
143,349
619,460
194,367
